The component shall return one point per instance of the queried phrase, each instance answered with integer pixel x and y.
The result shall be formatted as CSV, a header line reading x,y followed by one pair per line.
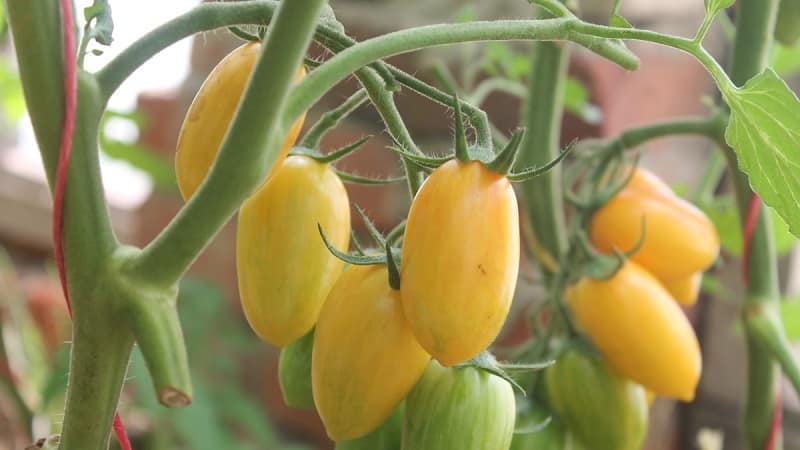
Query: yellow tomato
x,y
679,238
640,330
685,289
365,358
285,271
460,260
210,114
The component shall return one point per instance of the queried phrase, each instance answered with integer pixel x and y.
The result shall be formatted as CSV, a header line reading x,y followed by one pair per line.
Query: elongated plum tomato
x,y
640,330
210,114
459,408
285,271
604,411
365,358
460,260
679,239
684,289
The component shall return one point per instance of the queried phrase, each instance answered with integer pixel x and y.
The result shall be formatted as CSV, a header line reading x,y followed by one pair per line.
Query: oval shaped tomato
x,y
459,408
552,437
210,114
285,271
679,239
294,372
460,260
685,290
604,410
640,330
365,358
386,437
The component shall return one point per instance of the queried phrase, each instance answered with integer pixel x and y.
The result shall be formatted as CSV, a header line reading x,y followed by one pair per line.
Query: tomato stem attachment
x,y
505,158
244,35
462,152
393,266
359,179
328,158
333,118
533,172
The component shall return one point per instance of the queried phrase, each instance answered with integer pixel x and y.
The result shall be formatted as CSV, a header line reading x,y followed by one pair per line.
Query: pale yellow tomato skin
x,y
679,239
640,329
210,114
684,290
365,358
460,260
285,271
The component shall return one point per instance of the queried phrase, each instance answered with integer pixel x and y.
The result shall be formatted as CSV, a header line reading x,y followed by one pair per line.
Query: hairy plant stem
x,y
755,22
543,196
712,128
247,152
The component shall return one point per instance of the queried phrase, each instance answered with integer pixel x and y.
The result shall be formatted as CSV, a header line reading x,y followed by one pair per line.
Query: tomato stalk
x,y
247,152
543,111
755,21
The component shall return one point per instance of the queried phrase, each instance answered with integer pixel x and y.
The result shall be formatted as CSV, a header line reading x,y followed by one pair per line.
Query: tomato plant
x,y
404,326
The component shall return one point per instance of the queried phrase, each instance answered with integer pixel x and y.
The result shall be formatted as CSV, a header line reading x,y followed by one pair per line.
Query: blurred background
x,y
238,404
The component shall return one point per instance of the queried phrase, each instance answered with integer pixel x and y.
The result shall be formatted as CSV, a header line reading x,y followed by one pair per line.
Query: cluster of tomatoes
x,y
366,345
647,345
388,362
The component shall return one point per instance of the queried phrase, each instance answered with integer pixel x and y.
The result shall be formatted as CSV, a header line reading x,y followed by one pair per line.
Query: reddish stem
x,y
749,227
65,150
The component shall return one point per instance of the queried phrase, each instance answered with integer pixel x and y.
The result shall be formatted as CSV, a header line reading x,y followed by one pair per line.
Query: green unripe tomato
x,y
386,437
294,372
602,409
552,437
460,408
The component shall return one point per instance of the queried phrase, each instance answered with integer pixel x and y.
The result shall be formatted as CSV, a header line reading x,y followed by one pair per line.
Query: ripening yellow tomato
x,y
285,271
210,114
685,289
365,358
640,330
460,260
679,239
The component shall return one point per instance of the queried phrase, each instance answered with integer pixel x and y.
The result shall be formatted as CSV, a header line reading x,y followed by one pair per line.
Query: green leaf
x,y
617,20
725,217
576,101
764,132
790,315
103,26
715,6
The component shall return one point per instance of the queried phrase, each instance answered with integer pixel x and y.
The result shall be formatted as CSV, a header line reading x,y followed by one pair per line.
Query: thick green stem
x,y
311,88
101,346
754,27
543,195
711,127
247,152
383,100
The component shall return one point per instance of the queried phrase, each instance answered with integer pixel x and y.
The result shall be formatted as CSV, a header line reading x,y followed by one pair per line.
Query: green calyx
x,y
500,163
329,158
487,362
361,257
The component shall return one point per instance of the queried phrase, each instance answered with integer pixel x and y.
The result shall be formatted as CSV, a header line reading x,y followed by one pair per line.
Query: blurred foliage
x,y
790,313
135,154
725,216
786,60
222,415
